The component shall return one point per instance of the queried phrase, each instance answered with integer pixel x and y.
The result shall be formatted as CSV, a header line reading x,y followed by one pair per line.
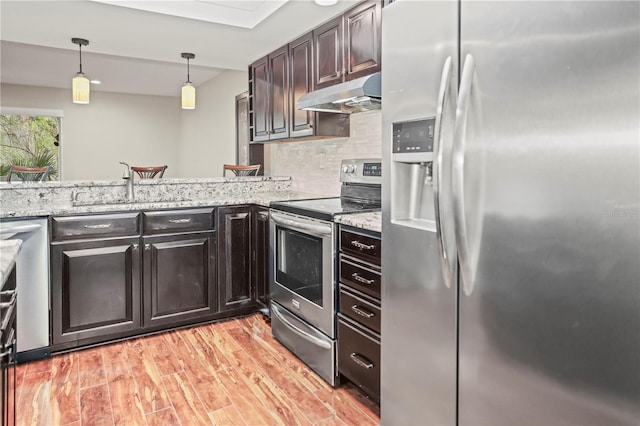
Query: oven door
x,y
302,268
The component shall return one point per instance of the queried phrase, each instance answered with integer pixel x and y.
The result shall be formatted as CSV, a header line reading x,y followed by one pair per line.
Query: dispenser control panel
x,y
413,136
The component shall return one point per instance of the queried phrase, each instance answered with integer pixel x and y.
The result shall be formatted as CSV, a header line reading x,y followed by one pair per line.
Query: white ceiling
x,y
135,46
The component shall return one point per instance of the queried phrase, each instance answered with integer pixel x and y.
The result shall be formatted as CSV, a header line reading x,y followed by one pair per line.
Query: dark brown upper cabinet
x,y
301,55
268,96
348,47
362,40
329,57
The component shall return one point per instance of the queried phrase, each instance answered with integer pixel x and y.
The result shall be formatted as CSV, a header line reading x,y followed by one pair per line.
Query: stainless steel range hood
x,y
361,94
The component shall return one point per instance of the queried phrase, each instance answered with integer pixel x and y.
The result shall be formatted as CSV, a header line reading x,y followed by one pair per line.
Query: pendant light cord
x,y
188,75
80,45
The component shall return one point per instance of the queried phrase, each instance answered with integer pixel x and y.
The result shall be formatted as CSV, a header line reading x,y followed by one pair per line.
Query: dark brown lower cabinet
x,y
360,309
95,289
179,278
359,356
260,272
8,341
234,263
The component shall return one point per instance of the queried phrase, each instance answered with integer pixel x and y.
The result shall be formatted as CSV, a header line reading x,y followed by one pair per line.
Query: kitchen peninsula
x,y
81,197
183,251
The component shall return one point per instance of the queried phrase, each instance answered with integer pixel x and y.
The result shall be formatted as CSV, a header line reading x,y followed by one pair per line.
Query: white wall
x,y
140,130
154,130
315,164
208,135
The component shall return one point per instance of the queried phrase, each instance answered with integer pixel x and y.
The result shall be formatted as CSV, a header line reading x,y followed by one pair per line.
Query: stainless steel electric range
x,y
303,265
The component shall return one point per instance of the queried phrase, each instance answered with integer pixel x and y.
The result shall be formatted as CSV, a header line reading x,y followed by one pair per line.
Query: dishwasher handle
x,y
20,229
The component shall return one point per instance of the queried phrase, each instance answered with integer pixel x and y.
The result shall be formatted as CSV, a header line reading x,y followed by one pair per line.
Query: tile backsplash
x,y
314,165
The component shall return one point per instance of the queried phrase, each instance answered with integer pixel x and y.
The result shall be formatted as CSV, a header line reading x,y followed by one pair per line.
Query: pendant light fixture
x,y
81,89
188,90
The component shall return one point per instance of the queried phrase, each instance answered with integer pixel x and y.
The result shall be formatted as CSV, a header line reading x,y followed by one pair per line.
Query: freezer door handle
x,y
460,134
442,137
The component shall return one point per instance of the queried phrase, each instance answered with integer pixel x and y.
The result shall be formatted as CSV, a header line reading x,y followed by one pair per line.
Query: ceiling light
x,y
80,82
326,2
188,91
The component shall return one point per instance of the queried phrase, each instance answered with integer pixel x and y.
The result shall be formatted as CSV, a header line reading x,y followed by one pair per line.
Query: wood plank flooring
x,y
227,373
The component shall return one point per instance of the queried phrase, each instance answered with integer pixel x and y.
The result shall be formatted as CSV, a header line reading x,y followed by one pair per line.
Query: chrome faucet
x,y
128,175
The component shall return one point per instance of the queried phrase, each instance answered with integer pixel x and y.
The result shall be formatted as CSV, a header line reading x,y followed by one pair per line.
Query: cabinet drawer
x,y
93,226
360,277
170,221
359,357
360,309
362,246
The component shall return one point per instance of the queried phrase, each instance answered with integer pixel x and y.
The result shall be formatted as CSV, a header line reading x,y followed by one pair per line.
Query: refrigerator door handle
x,y
462,112
446,247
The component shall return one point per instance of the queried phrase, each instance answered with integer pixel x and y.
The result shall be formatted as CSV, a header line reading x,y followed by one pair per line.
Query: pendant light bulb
x,y
80,83
188,90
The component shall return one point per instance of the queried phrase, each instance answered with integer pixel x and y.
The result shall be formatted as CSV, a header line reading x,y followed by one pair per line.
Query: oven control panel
x,y
361,171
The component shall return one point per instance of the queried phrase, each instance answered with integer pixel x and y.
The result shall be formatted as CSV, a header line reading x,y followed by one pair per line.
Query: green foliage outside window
x,y
29,141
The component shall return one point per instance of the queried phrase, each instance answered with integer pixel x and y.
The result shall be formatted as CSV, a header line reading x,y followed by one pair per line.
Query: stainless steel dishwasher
x,y
32,274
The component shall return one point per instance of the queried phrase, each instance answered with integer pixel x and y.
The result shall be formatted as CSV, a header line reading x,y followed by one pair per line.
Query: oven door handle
x,y
301,226
298,331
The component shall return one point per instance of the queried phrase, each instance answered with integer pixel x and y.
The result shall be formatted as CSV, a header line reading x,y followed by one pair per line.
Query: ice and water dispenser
x,y
412,198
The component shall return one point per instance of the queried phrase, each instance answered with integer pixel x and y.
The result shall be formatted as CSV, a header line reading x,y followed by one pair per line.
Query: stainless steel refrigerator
x,y
511,218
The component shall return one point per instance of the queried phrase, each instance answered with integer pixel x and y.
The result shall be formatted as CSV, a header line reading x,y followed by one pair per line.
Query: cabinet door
x,y
179,278
260,274
95,289
279,69
234,250
301,57
327,45
261,93
362,40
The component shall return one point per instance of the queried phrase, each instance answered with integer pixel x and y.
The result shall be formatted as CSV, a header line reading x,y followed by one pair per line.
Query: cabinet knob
x,y
136,246
147,246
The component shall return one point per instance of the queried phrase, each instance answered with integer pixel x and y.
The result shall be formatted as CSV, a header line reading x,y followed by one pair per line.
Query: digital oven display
x,y
372,169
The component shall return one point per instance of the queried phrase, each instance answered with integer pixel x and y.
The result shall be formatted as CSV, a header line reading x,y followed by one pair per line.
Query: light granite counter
x,y
371,221
9,250
80,197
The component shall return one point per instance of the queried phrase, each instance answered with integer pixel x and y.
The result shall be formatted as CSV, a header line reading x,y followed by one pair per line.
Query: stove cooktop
x,y
326,208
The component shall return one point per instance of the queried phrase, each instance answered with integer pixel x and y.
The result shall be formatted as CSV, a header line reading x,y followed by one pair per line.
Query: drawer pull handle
x,y
361,361
363,313
363,246
362,280
179,220
98,226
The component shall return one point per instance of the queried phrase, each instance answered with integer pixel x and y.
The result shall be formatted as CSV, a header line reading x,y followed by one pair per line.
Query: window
x,y
30,141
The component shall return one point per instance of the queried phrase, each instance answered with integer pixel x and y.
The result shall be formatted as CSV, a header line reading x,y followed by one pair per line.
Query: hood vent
x,y
361,94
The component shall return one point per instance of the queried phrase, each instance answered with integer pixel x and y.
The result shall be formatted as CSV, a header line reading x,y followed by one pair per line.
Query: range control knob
x,y
349,168
345,169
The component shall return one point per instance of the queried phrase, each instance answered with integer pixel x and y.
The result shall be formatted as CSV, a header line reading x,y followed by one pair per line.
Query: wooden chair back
x,y
149,172
28,174
242,170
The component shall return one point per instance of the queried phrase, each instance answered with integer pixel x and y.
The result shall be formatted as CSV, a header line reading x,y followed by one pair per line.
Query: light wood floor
x,y
228,373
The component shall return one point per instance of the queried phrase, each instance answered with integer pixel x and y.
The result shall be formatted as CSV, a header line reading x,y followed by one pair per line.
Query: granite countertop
x,y
259,198
371,221
9,250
